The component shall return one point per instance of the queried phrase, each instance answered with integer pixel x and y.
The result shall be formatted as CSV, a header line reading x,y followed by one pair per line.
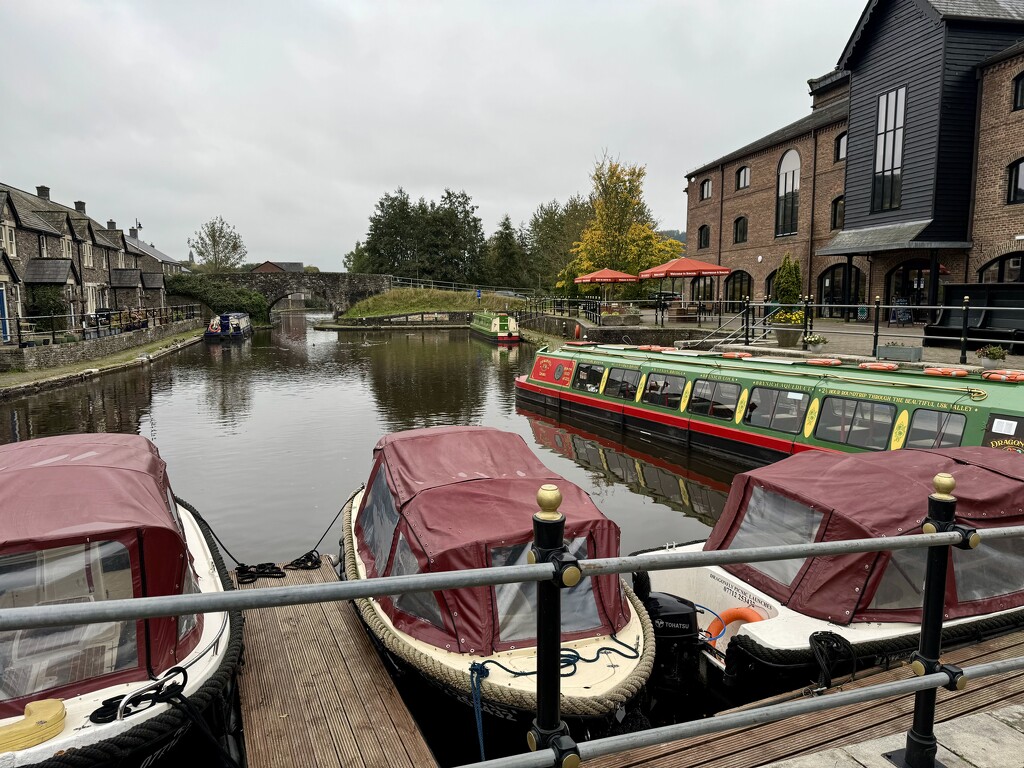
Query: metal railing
x,y
447,285
30,330
555,569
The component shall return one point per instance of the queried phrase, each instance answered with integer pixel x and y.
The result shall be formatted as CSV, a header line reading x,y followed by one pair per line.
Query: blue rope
x,y
477,672
710,639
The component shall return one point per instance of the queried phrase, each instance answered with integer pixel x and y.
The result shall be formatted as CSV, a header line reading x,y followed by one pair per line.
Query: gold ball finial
x,y
548,499
531,741
943,483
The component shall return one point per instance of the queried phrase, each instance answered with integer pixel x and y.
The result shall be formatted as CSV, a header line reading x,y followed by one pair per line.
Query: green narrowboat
x,y
762,409
495,327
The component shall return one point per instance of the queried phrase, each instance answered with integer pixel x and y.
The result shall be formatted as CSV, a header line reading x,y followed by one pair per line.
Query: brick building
x,y
907,169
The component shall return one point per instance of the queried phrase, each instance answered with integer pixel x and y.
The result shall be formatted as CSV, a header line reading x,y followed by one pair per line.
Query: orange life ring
x,y
879,366
647,348
954,372
1003,374
736,354
576,333
728,616
823,361
214,327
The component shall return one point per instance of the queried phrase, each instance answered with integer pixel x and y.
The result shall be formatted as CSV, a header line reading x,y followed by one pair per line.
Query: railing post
x,y
963,331
803,335
549,730
921,743
878,308
746,321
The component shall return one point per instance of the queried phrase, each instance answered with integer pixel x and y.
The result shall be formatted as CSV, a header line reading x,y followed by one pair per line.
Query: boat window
x,y
422,605
981,573
588,377
714,398
855,422
772,520
935,429
776,409
902,584
379,520
622,383
34,660
664,390
517,603
188,621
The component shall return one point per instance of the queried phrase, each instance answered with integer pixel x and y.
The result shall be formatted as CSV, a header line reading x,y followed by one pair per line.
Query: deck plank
x,y
316,694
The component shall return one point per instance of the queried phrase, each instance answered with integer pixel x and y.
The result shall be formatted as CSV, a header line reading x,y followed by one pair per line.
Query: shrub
x,y
787,282
219,296
815,338
992,352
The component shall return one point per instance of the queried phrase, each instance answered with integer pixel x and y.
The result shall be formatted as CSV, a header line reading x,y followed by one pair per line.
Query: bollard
x,y
963,331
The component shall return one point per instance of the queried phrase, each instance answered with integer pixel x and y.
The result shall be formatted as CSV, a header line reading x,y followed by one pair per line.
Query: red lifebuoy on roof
x,y
879,366
823,361
954,372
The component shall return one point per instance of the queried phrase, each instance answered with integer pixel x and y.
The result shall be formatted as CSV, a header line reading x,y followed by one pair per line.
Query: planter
x,y
788,336
989,363
815,348
901,354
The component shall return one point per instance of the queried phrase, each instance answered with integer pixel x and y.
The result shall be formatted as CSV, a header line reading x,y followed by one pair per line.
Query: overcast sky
x,y
292,118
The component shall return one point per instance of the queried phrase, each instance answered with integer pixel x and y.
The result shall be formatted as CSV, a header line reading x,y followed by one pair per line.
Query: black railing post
x,y
963,331
874,342
746,321
807,319
549,547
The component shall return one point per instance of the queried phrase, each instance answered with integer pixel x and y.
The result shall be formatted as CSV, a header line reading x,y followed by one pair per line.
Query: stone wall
x,y
565,327
56,355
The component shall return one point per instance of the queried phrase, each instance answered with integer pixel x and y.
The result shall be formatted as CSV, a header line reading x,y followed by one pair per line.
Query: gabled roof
x,y
56,219
284,266
9,265
135,245
819,118
125,278
152,280
25,206
51,271
80,225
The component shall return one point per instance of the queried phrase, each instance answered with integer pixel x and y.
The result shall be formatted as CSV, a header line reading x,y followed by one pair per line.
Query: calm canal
x,y
267,438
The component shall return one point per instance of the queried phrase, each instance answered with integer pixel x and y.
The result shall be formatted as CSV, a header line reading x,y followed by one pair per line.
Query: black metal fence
x,y
42,330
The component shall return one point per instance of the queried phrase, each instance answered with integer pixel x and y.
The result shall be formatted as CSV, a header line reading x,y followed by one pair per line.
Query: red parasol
x,y
684,267
607,276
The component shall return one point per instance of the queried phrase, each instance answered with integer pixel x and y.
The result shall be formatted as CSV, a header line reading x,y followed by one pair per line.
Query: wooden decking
x,y
315,693
853,724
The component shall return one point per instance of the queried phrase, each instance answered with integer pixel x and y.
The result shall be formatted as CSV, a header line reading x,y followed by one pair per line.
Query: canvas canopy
x,y
818,496
449,498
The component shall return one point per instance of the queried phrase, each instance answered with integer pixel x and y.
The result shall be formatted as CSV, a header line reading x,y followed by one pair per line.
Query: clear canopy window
x,y
772,520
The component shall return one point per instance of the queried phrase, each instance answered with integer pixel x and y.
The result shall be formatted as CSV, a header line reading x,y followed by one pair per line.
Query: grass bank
x,y
408,300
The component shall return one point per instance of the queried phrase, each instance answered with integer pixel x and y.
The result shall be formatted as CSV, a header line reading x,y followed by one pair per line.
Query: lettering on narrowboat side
x,y
785,386
1013,446
896,400
553,370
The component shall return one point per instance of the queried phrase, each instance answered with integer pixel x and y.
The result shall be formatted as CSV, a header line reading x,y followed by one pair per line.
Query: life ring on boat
x,y
745,614
823,361
214,327
736,354
1004,374
879,366
648,348
954,372
576,333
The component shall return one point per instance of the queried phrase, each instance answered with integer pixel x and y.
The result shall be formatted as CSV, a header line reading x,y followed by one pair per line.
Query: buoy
x,y
954,372
823,361
879,366
746,614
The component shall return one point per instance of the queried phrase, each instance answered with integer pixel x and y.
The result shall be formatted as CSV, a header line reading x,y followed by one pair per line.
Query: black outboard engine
x,y
676,634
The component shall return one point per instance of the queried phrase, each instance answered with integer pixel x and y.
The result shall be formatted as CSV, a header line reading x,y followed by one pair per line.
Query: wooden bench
x,y
678,311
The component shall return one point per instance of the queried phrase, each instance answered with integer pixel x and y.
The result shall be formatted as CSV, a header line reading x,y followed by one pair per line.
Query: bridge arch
x,y
340,289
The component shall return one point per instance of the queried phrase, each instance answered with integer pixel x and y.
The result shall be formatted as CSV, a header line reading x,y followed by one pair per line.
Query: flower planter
x,y
901,354
788,336
816,348
988,363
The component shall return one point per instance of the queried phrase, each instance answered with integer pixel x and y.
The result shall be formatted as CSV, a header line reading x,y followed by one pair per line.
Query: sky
x,y
292,119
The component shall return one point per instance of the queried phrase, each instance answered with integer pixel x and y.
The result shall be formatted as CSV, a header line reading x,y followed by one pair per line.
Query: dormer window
x,y
743,177
1016,186
704,237
87,255
840,147
705,189
1018,92
7,238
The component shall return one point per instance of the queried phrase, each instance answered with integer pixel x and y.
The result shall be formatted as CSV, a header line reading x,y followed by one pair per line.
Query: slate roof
x,y
819,118
125,278
152,280
55,219
821,83
284,266
146,249
48,271
25,206
81,227
889,237
980,10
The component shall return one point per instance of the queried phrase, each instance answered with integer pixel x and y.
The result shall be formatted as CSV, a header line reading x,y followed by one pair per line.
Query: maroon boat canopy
x,y
826,496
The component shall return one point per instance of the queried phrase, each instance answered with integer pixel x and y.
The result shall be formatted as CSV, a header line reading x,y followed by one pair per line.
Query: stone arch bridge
x,y
339,289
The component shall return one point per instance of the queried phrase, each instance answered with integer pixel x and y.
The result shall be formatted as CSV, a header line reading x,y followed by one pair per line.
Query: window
x,y
422,605
588,377
1015,192
840,147
378,521
705,189
66,247
1018,91
935,429
1005,269
622,383
855,422
776,409
771,520
838,212
663,390
12,243
702,289
714,398
902,584
743,178
704,237
739,230
787,203
887,190
738,286
985,577
87,254
42,246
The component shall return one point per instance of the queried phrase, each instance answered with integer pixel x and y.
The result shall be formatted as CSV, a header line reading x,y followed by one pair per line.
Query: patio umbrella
x,y
607,276
683,267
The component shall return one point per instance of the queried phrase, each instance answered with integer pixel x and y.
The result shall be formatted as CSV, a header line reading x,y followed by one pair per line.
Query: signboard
x,y
862,313
478,294
901,313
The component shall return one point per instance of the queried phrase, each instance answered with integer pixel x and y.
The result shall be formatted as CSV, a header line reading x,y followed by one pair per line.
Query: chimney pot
x,y
133,232
43,192
111,224
80,206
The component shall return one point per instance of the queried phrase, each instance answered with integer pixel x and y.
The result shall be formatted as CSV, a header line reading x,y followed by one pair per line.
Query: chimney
x,y
43,192
133,232
80,206
111,224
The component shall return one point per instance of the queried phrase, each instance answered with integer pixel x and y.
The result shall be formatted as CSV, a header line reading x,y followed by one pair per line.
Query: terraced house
x,y
910,166
47,244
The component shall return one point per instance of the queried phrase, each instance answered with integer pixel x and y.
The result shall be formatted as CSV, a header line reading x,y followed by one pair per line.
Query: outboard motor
x,y
676,634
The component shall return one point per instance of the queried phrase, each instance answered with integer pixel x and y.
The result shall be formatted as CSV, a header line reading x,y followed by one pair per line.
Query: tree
x,y
311,269
506,257
356,260
787,281
218,246
553,231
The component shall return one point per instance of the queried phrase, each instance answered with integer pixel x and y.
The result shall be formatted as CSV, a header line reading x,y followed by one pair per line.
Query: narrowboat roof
x,y
77,486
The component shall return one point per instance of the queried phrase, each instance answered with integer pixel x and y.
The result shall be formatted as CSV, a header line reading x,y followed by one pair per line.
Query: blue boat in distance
x,y
229,326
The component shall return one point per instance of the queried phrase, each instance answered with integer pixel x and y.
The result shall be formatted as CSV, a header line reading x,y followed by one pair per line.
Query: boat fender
x,y
746,614
954,372
735,355
823,361
879,366
1004,374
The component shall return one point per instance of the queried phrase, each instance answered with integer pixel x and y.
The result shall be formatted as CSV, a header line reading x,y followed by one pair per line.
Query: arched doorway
x,y
909,282
769,283
1005,269
738,286
831,289
702,289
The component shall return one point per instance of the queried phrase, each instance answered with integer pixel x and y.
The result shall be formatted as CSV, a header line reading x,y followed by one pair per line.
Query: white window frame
x,y
42,246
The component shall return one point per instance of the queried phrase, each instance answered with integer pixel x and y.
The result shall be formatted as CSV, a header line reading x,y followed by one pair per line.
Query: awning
x,y
889,237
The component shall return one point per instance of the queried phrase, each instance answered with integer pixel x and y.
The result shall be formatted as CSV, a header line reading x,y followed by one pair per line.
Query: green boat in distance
x,y
762,409
495,327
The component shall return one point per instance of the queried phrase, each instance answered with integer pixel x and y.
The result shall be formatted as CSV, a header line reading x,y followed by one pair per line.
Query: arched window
x,y
769,282
704,237
831,289
787,203
1005,269
1015,191
738,286
702,289
739,230
705,189
840,147
743,177
1018,91
838,212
